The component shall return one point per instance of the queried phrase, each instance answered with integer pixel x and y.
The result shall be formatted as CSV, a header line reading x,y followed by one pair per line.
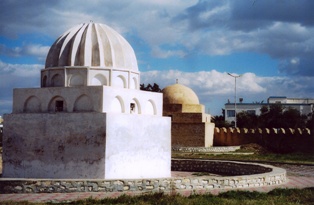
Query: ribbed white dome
x,y
92,44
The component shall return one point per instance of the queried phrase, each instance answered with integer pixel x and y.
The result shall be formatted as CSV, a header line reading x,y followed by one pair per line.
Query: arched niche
x,y
83,104
44,81
32,105
151,108
57,104
99,79
133,83
135,106
117,105
76,80
121,82
57,81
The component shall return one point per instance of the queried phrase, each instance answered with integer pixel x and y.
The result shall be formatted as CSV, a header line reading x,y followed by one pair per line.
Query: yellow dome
x,y
179,94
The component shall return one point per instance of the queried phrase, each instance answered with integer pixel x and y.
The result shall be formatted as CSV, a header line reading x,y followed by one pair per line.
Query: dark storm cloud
x,y
247,15
23,16
298,66
281,29
204,14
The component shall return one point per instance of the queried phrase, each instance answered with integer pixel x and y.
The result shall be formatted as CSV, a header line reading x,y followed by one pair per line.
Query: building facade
x,y
304,105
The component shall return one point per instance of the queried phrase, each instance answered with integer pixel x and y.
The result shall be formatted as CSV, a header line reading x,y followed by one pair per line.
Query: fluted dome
x,y
179,94
93,45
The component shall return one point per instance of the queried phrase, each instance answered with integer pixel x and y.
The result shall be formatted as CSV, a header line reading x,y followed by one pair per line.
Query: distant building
x,y
190,125
304,105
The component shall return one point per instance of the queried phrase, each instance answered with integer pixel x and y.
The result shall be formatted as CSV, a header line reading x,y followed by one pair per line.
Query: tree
x,y
151,88
247,120
220,121
271,116
292,118
277,116
310,122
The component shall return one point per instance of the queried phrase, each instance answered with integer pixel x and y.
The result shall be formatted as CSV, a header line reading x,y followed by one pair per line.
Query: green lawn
x,y
277,196
252,153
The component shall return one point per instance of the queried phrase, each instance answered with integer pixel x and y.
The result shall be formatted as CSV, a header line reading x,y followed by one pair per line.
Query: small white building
x,y
88,119
304,105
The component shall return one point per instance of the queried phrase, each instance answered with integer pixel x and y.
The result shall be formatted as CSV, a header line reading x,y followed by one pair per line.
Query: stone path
x,y
299,176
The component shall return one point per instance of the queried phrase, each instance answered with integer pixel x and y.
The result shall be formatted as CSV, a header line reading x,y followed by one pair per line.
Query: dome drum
x,y
87,76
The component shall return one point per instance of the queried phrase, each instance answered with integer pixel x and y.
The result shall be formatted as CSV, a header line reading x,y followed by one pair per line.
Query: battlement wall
x,y
279,140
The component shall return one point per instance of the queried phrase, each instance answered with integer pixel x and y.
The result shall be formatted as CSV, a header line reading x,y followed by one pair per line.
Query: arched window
x,y
135,106
57,104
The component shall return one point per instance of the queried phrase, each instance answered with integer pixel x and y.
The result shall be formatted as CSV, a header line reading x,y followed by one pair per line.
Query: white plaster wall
x,y
86,146
138,146
128,96
62,145
46,94
209,134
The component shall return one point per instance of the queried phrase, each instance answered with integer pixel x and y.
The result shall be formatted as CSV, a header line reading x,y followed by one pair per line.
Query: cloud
x,y
16,76
162,53
259,13
215,88
205,82
280,29
36,50
21,70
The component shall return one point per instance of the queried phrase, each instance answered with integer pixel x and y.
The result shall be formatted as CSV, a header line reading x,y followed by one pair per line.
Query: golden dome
x,y
179,94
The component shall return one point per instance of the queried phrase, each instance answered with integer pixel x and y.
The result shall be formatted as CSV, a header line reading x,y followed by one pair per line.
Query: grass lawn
x,y
252,152
277,196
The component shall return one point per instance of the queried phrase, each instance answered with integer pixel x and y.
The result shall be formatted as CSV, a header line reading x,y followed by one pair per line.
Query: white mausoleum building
x,y
88,119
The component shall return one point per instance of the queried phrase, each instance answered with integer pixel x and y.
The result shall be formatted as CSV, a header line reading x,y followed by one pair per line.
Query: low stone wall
x,y
221,149
223,168
280,140
273,176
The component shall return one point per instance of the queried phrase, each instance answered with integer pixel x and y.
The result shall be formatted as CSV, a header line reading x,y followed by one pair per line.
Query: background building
x,y
304,105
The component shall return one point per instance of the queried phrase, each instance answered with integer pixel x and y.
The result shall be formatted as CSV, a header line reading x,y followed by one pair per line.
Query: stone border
x,y
217,149
273,176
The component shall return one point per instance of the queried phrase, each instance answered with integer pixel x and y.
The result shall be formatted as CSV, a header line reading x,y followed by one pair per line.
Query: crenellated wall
x,y
280,140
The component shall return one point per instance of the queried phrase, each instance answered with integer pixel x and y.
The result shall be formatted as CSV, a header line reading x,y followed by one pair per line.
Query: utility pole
x,y
235,97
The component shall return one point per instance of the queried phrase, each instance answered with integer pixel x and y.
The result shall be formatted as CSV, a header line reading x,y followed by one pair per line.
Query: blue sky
x,y
271,43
